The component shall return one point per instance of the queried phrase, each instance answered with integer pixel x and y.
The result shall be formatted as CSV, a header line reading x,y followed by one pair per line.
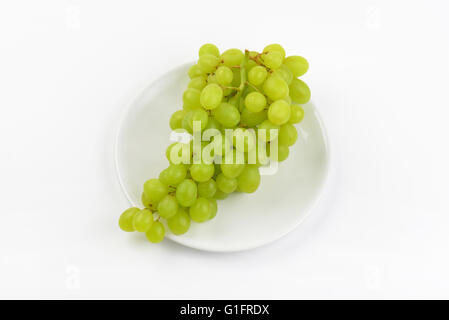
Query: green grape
x,y
227,92
225,184
168,207
126,219
181,146
186,193
207,153
240,104
191,98
197,83
176,119
201,210
272,59
224,75
257,156
253,54
226,146
201,116
187,121
211,96
146,203
255,102
244,140
275,48
252,119
232,57
220,144
214,210
287,135
288,99
209,48
257,75
212,123
298,65
176,173
249,180
275,88
195,71
285,73
250,89
299,91
267,126
232,170
233,101
202,172
220,195
296,115
279,112
262,154
143,220
227,115
163,177
211,78
207,188
216,140
251,63
156,232
237,77
282,153
199,155
179,223
154,190
208,62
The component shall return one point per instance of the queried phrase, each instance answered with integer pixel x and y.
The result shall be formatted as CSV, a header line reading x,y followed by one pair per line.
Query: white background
x,y
379,75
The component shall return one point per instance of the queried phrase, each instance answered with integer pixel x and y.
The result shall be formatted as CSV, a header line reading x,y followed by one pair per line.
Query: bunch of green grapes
x,y
244,91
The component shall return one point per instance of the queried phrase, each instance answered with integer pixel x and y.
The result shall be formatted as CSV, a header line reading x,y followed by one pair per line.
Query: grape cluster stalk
x,y
259,97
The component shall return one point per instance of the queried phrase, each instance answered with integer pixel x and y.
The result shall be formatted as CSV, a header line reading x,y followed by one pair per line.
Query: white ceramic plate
x,y
243,221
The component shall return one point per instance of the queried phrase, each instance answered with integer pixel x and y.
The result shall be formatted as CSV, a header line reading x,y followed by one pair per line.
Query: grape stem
x,y
253,86
256,58
242,75
260,63
232,88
